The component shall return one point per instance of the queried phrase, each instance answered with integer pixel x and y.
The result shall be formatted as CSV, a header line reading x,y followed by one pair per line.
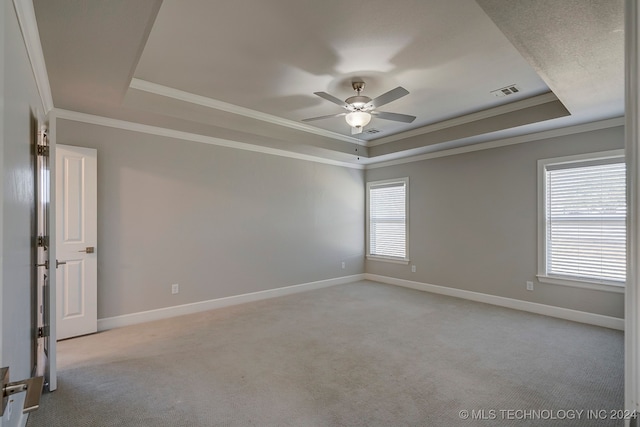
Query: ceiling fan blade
x,y
356,130
324,117
394,116
387,97
332,98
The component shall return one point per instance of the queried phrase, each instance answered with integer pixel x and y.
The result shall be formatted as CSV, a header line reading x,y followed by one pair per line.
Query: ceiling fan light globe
x,y
358,119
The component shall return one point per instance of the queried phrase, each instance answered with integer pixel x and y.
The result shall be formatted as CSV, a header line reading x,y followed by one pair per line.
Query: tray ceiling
x,y
248,68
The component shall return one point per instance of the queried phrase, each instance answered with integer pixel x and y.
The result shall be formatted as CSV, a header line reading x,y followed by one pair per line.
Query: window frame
x,y
374,257
543,275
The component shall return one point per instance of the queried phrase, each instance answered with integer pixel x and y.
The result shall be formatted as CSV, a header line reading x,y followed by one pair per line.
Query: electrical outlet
x,y
175,288
529,286
9,409
344,264
413,268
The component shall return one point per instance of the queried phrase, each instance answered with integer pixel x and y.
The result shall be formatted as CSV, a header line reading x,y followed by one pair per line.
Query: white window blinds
x,y
388,218
586,220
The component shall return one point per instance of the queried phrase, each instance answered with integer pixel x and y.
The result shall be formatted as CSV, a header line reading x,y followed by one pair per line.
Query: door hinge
x,y
42,150
43,241
43,331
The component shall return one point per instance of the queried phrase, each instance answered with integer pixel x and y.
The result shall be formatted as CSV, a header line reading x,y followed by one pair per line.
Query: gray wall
x,y
225,222
473,220
218,221
20,110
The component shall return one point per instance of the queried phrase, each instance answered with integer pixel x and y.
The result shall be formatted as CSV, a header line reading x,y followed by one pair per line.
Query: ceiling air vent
x,y
371,131
505,91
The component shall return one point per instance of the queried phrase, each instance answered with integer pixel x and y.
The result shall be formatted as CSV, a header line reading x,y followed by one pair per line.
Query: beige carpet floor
x,y
362,354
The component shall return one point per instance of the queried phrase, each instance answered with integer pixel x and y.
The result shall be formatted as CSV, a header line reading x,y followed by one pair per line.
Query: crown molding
x,y
235,109
29,26
368,163
468,118
180,95
537,136
188,136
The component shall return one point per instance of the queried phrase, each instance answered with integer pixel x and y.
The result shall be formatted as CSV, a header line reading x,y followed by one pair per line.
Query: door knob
x,y
89,250
33,387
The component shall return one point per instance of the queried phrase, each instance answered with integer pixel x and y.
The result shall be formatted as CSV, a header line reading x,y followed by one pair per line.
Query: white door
x,y
76,241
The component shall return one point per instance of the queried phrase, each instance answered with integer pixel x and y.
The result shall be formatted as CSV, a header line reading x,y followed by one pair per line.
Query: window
x,y
387,220
582,210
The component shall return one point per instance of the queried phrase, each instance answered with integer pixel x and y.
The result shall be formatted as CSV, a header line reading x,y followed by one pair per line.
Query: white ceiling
x,y
246,70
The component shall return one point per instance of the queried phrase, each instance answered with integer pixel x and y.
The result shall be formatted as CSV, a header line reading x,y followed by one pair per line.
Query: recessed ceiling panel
x,y
271,57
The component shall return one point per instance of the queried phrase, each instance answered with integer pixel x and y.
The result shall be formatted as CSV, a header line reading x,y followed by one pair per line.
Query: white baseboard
x,y
532,307
179,310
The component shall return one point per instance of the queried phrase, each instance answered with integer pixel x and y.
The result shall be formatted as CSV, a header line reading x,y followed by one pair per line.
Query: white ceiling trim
x,y
468,118
188,136
235,109
569,130
368,163
29,27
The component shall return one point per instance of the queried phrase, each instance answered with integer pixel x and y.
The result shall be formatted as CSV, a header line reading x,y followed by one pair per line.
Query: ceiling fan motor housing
x,y
358,102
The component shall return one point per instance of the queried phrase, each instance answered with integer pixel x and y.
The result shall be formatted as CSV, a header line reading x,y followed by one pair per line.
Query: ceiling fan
x,y
360,108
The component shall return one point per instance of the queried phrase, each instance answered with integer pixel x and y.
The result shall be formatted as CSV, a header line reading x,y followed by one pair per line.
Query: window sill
x,y
388,259
584,284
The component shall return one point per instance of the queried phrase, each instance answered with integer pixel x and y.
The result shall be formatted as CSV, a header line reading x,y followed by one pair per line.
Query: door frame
x,y
51,378
40,309
632,145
